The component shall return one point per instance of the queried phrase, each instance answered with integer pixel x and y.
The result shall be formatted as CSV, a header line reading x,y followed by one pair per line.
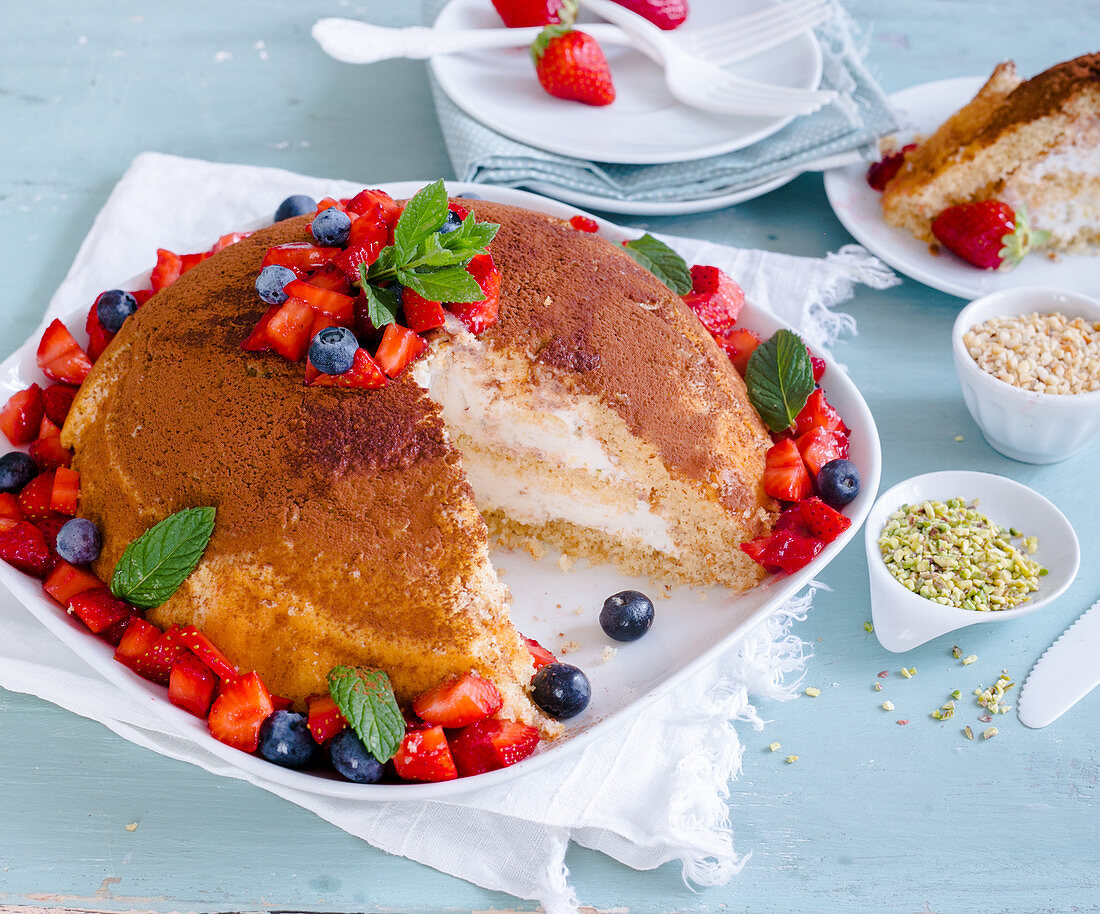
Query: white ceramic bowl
x,y
904,620
1021,424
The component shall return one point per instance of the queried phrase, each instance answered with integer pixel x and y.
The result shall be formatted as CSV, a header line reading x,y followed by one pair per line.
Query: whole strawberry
x,y
571,65
665,14
989,234
521,13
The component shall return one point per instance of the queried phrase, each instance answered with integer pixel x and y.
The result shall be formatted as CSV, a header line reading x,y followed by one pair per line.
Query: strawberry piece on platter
x,y
242,705
491,744
21,417
458,701
425,756
785,475
715,298
23,546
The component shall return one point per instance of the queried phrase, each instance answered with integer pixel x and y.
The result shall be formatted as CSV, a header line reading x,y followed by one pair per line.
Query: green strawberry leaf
x,y
155,564
423,215
365,698
662,262
780,378
448,284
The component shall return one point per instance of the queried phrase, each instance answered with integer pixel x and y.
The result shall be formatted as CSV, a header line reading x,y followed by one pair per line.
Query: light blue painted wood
x,y
873,818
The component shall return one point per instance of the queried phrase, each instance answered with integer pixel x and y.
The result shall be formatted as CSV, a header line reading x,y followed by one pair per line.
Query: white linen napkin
x,y
679,753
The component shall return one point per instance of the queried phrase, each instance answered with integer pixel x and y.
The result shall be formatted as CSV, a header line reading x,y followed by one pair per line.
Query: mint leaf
x,y
780,379
449,284
156,563
662,262
381,304
365,698
423,215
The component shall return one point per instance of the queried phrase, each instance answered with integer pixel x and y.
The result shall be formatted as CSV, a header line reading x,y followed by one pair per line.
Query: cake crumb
x,y
579,611
773,746
959,438
667,592
568,647
132,826
887,705
791,759
703,596
608,652
565,562
812,691
548,302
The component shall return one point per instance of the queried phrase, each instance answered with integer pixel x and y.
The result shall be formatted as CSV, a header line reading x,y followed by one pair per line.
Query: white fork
x,y
722,44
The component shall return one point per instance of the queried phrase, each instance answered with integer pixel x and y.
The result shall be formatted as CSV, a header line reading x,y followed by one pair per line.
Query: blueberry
x,y
626,616
350,757
331,227
332,350
271,281
79,541
561,690
16,470
113,307
838,482
285,739
297,205
454,220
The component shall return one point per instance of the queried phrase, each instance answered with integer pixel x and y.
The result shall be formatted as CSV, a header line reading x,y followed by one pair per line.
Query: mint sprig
x,y
365,698
662,262
431,264
780,378
157,562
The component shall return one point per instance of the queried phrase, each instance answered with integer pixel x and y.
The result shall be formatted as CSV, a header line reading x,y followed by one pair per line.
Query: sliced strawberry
x,y
480,315
400,347
112,634
425,756
258,340
366,238
491,744
458,701
421,314
290,329
167,269
715,298
156,663
190,261
138,639
519,13
34,500
340,307
98,336
191,685
329,203
23,546
817,413
50,527
786,549
226,240
325,719
819,445
785,475
66,581
203,648
540,656
824,522
98,608
739,344
47,428
60,356
332,278
584,224
367,202
242,705
300,256
141,296
817,364
9,507
280,703
364,372
22,415
66,489
49,454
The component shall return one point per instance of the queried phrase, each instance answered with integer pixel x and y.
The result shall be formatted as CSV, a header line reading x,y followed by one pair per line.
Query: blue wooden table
x,y
874,817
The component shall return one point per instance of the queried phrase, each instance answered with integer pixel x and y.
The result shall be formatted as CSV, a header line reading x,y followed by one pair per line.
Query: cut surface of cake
x,y
1032,144
597,415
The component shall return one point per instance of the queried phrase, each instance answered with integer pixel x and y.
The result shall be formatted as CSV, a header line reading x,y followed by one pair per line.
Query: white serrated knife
x,y
1068,670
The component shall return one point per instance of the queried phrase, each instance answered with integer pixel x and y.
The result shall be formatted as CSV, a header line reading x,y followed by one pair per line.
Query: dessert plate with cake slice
x,y
372,526
1021,149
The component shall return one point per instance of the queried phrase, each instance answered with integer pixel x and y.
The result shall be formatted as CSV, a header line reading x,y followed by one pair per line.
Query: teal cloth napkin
x,y
854,122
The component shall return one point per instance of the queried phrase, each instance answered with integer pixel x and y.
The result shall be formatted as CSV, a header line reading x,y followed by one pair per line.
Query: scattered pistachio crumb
x,y
773,746
132,826
908,673
608,653
944,711
956,695
959,438
868,627
812,691
568,647
878,686
791,759
956,653
969,659
989,732
984,718
967,732
887,705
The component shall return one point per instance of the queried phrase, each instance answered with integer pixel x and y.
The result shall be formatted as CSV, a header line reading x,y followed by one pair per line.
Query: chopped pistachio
x,y
773,746
967,732
888,705
989,732
791,759
878,686
812,691
969,659
955,652
908,673
868,627
956,695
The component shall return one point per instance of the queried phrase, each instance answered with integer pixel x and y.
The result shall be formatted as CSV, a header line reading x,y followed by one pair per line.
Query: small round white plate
x,y
645,125
859,210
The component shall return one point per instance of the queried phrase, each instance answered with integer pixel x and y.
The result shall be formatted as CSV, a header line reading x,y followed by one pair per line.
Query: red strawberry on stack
x,y
715,298
521,13
880,173
665,14
988,234
570,64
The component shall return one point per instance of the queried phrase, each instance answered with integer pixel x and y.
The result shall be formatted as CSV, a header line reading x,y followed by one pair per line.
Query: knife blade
x,y
1068,670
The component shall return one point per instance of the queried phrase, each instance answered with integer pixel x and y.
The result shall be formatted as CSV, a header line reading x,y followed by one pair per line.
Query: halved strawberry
x,y
540,656
98,608
258,340
400,347
156,663
57,399
340,307
191,685
584,224
34,500
23,546
824,522
786,549
480,315
98,337
9,507
785,475
66,581
66,489
22,415
325,719
458,701
137,641
715,298
299,256
364,372
291,328
739,344
425,756
242,705
817,413
60,356
421,314
819,445
491,744
167,269
203,648
49,454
